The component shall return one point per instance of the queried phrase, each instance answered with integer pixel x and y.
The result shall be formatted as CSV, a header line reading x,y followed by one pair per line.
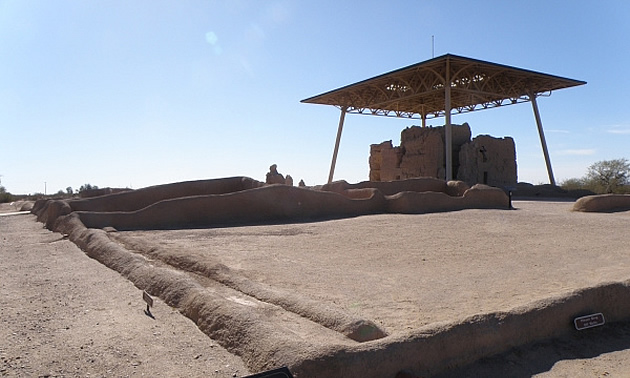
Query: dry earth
x,y
406,271
66,315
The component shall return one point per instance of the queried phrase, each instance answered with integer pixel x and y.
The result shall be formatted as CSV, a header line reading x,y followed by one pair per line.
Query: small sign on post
x,y
147,298
282,372
589,321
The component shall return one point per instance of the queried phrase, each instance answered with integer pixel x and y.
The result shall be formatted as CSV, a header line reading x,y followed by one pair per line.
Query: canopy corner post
x,y
448,128
543,142
342,118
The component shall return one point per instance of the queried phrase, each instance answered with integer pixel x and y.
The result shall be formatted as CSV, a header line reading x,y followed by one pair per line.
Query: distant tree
x,y
4,195
573,184
69,191
608,176
87,187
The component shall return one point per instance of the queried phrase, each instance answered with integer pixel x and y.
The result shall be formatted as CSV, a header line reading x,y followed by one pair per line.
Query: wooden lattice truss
x,y
418,91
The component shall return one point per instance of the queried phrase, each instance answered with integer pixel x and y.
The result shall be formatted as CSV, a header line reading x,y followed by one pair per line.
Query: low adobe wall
x,y
140,198
603,203
477,197
242,201
268,204
439,347
132,200
422,184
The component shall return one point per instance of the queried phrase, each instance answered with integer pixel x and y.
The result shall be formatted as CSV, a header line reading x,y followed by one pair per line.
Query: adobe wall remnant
x,y
274,177
603,203
385,162
424,151
526,190
482,160
101,192
488,160
243,201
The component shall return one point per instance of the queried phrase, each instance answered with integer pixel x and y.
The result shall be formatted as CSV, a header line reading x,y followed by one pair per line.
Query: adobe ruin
x,y
482,160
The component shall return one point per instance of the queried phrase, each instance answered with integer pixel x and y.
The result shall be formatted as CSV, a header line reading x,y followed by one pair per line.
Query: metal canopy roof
x,y
418,90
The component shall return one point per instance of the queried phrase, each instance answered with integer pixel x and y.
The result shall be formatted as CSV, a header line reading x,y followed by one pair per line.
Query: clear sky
x,y
139,93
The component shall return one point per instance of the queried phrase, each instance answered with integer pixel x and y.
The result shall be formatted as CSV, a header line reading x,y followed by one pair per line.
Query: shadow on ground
x,y
537,358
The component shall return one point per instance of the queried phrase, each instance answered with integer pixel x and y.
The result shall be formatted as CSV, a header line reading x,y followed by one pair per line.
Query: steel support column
x,y
342,118
448,134
424,117
543,142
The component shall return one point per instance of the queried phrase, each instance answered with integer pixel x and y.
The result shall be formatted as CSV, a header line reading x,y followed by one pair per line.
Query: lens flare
x,y
212,38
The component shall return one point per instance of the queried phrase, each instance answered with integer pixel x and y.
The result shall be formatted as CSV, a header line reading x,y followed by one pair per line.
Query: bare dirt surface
x,y
66,315
406,271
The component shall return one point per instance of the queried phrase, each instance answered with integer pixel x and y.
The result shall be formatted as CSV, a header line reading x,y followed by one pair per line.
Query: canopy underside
x,y
418,91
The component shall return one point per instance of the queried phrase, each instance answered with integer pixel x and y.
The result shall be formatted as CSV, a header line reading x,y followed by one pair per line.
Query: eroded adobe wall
x,y
483,160
488,160
603,203
385,162
266,204
421,153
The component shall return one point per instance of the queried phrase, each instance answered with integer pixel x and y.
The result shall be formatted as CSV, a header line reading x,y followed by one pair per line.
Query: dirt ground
x,y
406,271
64,314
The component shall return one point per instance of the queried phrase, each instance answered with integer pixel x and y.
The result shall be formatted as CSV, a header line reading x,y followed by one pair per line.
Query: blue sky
x,y
139,93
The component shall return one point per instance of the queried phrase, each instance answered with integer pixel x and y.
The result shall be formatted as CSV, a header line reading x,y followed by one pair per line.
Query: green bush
x,y
573,184
5,196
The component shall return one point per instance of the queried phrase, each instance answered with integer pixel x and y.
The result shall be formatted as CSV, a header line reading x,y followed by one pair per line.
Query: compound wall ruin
x,y
482,160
